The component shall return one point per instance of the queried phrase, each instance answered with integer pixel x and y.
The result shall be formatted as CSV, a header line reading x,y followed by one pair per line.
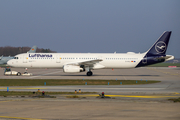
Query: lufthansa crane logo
x,y
160,47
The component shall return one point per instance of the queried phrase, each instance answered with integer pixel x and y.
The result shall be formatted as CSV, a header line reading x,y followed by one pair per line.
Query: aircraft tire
x,y
18,74
89,73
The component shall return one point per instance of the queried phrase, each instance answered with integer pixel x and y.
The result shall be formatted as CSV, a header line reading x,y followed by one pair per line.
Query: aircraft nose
x,y
10,62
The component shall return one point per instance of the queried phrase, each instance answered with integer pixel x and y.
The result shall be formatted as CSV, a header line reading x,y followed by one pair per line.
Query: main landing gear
x,y
89,73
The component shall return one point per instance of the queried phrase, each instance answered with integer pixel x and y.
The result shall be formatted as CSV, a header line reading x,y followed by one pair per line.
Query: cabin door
x,y
58,59
25,58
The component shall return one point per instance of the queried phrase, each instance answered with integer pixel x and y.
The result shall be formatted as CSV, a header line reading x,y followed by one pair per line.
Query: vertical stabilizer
x,y
32,50
160,46
1,57
157,53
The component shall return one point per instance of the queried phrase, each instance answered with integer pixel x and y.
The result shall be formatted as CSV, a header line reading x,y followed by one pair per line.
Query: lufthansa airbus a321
x,y
81,62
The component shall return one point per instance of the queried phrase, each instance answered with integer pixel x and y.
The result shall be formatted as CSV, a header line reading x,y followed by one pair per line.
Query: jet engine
x,y
72,69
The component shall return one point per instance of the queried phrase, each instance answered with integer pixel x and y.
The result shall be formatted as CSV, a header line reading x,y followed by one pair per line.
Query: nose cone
x,y
10,63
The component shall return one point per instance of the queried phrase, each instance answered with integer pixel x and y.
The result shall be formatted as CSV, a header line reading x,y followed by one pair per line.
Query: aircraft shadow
x,y
111,75
101,75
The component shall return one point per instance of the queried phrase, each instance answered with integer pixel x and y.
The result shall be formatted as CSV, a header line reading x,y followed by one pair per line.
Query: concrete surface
x,y
88,109
128,102
170,80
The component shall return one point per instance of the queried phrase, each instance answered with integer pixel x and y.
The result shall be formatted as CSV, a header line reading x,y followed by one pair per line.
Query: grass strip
x,y
175,99
16,93
55,82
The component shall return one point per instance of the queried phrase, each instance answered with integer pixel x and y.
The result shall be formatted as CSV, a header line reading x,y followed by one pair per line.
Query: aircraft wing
x,y
86,63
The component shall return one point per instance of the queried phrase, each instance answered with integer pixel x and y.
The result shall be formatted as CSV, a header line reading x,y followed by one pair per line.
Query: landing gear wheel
x,y
89,73
18,74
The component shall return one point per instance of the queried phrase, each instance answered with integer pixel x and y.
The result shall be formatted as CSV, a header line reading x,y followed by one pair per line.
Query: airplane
x,y
3,60
32,50
81,62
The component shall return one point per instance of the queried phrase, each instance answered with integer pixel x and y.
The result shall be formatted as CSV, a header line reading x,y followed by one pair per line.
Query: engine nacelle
x,y
72,69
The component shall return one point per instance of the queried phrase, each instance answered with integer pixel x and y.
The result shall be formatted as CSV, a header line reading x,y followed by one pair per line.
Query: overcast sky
x,y
95,26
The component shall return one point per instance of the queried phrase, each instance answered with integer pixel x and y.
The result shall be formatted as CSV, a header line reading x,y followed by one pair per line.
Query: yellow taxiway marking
x,y
20,118
164,72
23,88
135,96
174,74
3,101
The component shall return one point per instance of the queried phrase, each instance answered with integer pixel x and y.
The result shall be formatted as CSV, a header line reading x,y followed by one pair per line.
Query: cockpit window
x,y
15,57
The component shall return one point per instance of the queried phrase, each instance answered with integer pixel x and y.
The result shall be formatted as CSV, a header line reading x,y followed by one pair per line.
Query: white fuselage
x,y
58,60
80,62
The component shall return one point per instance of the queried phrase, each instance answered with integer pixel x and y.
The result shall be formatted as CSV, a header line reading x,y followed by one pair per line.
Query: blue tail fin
x,y
157,53
160,46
